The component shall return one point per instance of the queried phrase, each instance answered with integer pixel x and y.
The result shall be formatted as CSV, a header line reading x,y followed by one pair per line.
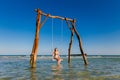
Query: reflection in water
x,y
33,74
80,72
86,67
56,72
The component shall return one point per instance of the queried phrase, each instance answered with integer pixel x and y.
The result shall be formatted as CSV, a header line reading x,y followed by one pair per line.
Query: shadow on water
x,y
57,72
77,71
33,75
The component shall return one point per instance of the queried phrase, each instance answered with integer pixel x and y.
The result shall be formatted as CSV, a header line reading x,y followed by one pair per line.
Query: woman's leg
x,y
59,61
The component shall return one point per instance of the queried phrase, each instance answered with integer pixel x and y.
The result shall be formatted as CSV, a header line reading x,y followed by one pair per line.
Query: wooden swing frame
x,y
71,26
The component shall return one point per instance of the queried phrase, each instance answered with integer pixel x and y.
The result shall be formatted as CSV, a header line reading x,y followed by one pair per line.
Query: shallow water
x,y
99,68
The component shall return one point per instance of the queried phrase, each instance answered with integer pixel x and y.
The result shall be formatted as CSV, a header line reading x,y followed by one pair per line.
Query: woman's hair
x,y
55,49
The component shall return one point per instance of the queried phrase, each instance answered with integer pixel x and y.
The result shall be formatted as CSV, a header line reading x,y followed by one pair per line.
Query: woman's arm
x,y
53,56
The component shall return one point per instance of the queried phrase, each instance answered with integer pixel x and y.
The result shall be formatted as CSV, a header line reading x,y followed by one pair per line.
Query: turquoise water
x,y
99,68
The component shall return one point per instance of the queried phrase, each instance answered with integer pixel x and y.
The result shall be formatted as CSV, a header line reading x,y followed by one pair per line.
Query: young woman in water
x,y
56,56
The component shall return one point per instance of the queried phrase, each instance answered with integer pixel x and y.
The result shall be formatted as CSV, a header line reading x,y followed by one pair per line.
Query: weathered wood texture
x,y
39,24
70,45
62,18
33,56
80,44
71,39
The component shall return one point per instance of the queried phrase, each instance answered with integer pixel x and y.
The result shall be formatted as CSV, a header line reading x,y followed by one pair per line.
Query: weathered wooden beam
x,y
80,44
70,45
71,39
59,17
77,55
33,56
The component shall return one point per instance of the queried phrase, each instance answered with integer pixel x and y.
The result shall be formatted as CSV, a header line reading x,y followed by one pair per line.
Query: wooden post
x,y
71,39
39,24
33,55
80,43
70,44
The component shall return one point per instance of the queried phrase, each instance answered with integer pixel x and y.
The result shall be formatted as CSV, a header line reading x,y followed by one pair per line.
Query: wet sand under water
x,y
18,68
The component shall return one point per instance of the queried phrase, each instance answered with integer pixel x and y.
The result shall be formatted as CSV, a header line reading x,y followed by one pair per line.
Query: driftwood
x,y
73,30
33,56
78,55
80,44
39,24
70,44
71,39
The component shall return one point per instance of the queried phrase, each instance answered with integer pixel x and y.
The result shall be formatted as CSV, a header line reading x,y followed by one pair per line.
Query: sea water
x,y
99,68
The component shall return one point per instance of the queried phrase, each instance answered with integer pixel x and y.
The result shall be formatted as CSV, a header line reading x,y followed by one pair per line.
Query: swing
x,y
71,26
61,35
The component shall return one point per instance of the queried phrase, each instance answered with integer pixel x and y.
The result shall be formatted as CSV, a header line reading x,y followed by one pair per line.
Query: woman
x,y
56,56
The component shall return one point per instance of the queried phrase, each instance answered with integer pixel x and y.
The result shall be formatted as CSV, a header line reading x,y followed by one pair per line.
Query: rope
x,y
52,36
61,36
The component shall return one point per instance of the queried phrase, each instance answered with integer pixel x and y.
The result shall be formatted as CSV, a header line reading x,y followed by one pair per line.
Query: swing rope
x,y
52,36
60,36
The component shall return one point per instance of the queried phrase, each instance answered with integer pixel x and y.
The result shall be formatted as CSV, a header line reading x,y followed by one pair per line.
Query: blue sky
x,y
98,23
